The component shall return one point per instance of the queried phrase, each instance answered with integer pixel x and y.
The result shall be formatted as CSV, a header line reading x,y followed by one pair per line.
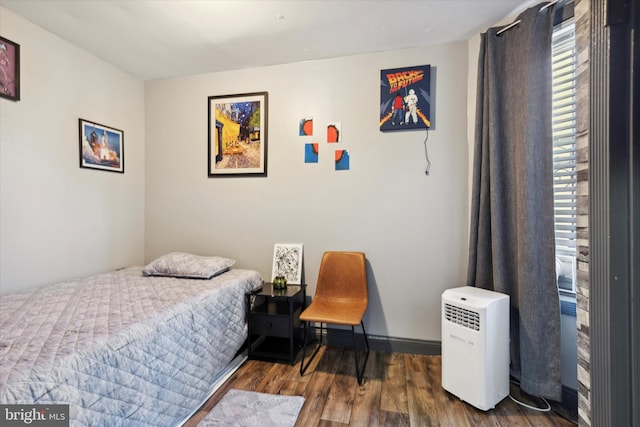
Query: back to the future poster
x,y
405,98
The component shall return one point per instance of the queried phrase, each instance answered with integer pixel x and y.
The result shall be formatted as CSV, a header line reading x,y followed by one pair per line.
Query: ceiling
x,y
154,39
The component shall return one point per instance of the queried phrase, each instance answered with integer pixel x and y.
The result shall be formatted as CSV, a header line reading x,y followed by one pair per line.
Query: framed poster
x,y
238,135
287,262
9,69
405,98
101,147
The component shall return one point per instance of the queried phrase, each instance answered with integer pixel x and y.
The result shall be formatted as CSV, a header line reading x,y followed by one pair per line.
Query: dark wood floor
x,y
398,390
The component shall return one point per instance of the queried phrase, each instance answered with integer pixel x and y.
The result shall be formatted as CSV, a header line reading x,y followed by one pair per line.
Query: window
x,y
564,152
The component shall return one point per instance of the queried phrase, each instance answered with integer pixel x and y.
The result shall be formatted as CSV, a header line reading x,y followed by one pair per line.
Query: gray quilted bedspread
x,y
120,348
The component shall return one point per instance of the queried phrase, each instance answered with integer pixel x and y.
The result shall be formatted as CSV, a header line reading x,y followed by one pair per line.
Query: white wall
x,y
412,227
58,221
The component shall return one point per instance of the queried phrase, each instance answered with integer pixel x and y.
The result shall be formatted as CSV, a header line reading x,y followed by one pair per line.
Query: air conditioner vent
x,y
461,316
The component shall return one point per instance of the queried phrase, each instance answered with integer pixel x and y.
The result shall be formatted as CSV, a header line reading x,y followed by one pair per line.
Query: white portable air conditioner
x,y
475,345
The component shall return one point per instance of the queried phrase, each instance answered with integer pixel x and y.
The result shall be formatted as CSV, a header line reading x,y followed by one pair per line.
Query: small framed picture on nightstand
x,y
287,262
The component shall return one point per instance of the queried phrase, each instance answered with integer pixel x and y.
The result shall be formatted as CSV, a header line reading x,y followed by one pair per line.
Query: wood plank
x,y
366,405
422,407
415,363
395,380
393,419
293,388
317,389
394,386
325,423
535,417
250,377
509,414
542,419
342,390
274,378
375,369
295,373
562,421
299,389
480,418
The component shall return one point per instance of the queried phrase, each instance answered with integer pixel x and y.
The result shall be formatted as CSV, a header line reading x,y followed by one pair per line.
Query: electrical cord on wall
x,y
426,154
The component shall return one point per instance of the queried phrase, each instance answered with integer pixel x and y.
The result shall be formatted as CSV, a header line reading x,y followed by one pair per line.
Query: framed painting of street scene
x,y
238,135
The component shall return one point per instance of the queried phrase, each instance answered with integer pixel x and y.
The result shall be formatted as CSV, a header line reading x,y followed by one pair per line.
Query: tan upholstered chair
x,y
341,298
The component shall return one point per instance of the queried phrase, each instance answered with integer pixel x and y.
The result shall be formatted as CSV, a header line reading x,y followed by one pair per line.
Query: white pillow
x,y
180,264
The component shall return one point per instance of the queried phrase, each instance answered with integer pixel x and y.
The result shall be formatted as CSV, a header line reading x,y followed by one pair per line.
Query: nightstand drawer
x,y
264,324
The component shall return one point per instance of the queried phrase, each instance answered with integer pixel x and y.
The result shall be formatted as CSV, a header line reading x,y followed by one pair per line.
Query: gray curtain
x,y
512,244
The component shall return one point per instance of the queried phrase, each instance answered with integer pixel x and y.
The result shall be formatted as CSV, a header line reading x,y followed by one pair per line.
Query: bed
x,y
131,347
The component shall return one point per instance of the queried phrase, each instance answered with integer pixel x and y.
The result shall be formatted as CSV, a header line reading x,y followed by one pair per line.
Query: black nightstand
x,y
274,322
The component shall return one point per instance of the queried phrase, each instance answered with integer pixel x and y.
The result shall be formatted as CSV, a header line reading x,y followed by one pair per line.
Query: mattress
x,y
121,348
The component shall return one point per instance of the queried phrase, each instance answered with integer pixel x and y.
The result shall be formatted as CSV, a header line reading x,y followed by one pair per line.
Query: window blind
x,y
564,144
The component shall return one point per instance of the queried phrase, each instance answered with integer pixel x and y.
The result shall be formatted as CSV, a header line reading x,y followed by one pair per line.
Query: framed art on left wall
x,y
9,69
101,147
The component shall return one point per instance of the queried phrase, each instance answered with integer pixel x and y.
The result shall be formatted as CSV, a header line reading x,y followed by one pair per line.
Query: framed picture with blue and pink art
x,y
101,147
9,69
405,98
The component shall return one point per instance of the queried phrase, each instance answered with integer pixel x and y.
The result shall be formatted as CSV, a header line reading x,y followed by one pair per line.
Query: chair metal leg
x,y
360,372
303,367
